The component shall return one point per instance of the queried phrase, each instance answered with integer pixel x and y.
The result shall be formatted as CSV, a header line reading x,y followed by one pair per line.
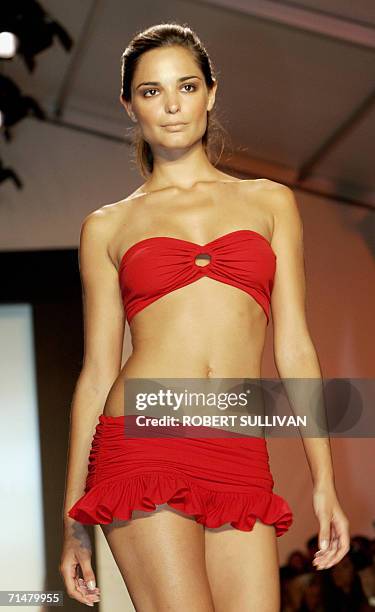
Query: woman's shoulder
x,y
265,193
104,224
277,196
266,185
280,201
108,214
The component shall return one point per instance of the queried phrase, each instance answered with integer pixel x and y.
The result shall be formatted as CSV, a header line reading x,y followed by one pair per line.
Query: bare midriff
x,y
205,330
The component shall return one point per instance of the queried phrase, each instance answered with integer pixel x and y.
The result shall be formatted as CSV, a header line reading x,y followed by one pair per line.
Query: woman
x,y
143,253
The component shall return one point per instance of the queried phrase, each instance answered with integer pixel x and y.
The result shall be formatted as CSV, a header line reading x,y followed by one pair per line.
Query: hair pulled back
x,y
168,35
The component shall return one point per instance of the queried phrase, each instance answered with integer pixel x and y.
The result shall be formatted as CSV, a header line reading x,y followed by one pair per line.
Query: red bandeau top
x,y
155,266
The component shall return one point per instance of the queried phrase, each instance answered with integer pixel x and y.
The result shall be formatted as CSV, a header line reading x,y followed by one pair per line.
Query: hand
x,y
334,536
75,565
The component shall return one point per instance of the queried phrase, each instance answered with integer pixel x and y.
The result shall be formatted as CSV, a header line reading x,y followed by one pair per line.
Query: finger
x,y
325,534
327,544
340,532
93,595
89,596
341,527
88,574
329,558
336,556
83,585
69,574
78,586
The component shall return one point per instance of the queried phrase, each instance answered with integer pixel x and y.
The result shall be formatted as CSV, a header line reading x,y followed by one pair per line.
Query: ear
x,y
128,108
211,96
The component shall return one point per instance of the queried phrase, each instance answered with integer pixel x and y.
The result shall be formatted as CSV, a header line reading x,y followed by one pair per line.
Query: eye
x,y
190,85
146,91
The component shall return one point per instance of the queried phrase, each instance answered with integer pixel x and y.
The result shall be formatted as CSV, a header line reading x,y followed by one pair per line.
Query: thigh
x,y
161,558
243,568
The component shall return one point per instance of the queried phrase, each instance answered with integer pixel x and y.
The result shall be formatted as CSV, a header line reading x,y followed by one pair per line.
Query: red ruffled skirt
x,y
217,480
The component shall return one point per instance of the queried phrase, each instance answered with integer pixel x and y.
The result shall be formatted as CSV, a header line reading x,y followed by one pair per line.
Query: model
x,y
196,260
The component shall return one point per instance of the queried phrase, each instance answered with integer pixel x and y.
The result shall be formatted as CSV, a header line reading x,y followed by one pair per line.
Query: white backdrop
x,y
22,559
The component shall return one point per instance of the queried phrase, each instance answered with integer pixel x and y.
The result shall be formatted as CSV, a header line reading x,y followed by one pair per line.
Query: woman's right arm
x,y
104,322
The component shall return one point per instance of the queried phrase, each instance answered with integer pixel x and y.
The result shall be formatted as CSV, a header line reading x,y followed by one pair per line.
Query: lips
x,y
174,127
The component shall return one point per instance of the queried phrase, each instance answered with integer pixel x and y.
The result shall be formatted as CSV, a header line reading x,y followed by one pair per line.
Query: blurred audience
x,y
348,586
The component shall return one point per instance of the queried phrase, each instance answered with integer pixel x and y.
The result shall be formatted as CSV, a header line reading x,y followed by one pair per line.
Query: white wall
x,y
22,559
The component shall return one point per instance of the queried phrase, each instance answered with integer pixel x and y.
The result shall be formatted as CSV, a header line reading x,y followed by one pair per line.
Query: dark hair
x,y
168,35
313,542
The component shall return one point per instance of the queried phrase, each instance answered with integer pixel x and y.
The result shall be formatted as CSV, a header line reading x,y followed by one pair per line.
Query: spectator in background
x,y
348,586
312,546
298,563
313,596
343,588
286,578
363,557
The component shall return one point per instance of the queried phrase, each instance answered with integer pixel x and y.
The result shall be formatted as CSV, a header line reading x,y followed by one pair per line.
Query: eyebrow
x,y
180,80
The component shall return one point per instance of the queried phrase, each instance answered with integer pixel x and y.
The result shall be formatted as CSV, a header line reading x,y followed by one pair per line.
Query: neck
x,y
182,169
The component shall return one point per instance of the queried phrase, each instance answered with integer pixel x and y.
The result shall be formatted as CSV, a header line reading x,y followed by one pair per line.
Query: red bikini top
x,y
155,266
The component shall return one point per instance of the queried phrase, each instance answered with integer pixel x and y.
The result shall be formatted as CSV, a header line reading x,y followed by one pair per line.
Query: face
x,y
343,573
168,87
297,561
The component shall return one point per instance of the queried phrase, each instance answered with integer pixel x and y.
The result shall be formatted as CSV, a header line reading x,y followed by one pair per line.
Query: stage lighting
x,y
14,106
8,45
33,27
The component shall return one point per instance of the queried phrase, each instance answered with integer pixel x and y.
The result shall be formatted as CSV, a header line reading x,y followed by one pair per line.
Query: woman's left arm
x,y
296,357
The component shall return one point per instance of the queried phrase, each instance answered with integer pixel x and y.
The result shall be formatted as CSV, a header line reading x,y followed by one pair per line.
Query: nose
x,y
172,104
